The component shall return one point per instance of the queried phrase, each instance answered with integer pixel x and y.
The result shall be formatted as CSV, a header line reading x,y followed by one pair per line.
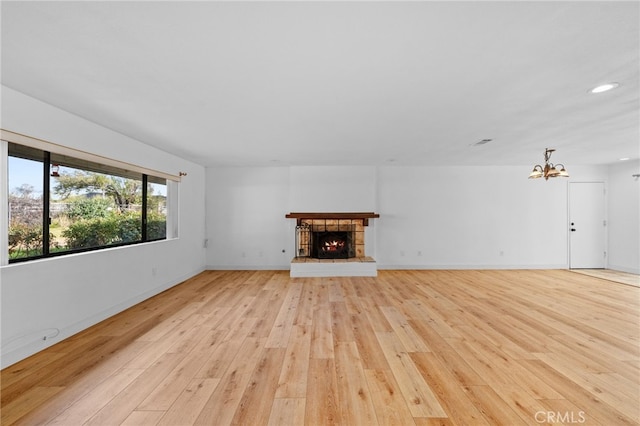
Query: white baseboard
x,y
469,267
247,267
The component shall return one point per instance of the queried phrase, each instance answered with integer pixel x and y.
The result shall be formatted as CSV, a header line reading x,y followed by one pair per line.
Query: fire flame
x,y
333,245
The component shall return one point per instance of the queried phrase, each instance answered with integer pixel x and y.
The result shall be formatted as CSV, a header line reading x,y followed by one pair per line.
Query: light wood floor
x,y
611,275
407,347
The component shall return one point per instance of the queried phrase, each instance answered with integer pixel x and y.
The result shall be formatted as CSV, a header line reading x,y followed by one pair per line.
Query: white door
x,y
587,225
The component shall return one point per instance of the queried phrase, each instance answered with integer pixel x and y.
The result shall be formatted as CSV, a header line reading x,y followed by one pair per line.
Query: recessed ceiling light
x,y
604,87
624,159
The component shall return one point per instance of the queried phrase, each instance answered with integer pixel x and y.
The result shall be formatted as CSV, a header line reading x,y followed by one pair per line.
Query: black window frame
x,y
46,198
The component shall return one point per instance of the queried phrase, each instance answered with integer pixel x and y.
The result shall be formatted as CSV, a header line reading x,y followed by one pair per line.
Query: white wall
x,y
246,208
473,217
332,189
470,217
624,217
246,227
430,217
61,296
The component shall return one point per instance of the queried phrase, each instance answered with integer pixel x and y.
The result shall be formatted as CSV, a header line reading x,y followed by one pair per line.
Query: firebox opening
x,y
333,245
330,239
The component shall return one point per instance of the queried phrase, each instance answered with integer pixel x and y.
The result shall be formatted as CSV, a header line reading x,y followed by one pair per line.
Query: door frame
x,y
606,220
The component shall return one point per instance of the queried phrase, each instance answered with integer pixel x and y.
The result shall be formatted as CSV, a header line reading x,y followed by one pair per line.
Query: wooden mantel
x,y
365,216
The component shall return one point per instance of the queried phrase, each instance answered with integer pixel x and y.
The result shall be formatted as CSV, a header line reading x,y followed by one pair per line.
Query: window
x,y
156,196
26,203
62,204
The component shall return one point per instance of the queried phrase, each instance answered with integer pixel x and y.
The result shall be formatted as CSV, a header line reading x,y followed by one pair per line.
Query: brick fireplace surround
x,y
308,264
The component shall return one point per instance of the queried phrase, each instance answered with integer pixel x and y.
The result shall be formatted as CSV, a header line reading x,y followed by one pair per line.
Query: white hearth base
x,y
357,267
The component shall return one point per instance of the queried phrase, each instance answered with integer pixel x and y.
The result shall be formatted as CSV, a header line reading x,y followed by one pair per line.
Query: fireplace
x,y
331,235
332,245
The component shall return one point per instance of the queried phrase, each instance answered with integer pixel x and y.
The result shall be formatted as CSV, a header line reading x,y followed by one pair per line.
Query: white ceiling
x,y
315,83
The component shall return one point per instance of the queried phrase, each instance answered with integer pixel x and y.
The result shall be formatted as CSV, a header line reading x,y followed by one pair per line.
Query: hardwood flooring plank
x,y
375,316
255,406
356,407
322,334
221,356
456,364
495,410
440,347
491,374
237,315
433,421
86,407
388,402
124,403
221,406
189,403
295,367
68,369
509,332
22,371
512,371
143,418
81,385
321,293
419,396
304,314
178,379
23,405
279,336
450,393
341,326
520,401
336,293
371,354
264,310
322,404
411,341
476,324
159,331
595,408
170,343
590,353
603,387
287,411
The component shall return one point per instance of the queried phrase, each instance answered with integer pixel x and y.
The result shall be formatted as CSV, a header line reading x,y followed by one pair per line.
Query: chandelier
x,y
549,170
